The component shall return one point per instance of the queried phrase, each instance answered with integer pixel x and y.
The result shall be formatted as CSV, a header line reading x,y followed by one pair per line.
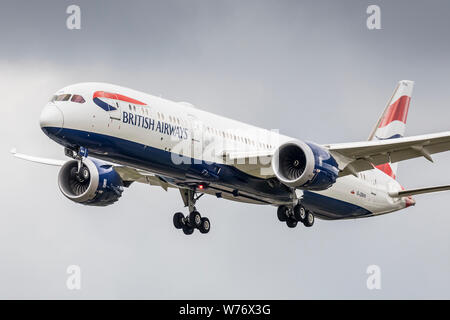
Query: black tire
x,y
188,230
85,173
178,220
205,225
281,213
291,223
195,219
309,221
300,213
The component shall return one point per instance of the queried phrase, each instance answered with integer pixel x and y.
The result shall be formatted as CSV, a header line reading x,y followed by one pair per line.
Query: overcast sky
x,y
309,68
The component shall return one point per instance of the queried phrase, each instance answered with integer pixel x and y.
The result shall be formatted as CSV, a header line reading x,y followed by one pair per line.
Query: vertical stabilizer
x,y
392,122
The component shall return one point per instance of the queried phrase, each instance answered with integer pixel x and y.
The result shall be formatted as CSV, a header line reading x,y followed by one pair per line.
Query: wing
x,y
50,162
255,163
360,156
127,174
142,176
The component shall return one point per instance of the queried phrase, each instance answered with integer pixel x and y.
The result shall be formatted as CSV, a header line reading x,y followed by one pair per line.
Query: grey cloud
x,y
309,68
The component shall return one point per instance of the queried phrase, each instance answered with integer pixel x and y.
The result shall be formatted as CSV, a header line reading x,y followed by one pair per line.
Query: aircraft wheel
x,y
205,225
291,223
300,213
195,219
188,230
178,220
84,173
309,221
281,213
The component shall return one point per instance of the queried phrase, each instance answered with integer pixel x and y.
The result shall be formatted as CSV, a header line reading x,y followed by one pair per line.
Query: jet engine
x,y
95,184
304,165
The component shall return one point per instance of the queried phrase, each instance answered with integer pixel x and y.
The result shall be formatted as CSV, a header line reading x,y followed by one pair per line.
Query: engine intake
x,y
304,165
96,184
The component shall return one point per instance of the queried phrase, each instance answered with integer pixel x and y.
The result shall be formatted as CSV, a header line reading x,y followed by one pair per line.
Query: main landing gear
x,y
194,220
293,215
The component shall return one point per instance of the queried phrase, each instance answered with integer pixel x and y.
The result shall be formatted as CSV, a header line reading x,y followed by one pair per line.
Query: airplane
x,y
114,136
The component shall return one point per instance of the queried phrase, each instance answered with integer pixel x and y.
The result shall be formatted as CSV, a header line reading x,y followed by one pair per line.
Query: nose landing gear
x,y
82,172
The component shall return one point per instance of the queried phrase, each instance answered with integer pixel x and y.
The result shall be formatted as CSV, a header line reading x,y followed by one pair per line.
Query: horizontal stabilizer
x,y
407,193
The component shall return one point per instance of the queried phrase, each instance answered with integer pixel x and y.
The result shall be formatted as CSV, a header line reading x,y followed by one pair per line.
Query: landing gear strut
x,y
193,220
293,215
82,172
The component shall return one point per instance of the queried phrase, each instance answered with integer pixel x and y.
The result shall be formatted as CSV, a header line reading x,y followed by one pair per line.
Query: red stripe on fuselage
x,y
103,94
386,168
396,111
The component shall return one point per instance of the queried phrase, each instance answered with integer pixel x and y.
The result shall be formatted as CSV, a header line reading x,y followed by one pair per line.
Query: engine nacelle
x,y
304,165
97,184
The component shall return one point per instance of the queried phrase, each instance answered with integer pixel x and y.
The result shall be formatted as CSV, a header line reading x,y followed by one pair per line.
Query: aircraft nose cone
x,y
51,118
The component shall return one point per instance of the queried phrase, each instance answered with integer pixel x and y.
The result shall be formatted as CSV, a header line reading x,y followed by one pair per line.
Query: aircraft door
x,y
196,136
114,109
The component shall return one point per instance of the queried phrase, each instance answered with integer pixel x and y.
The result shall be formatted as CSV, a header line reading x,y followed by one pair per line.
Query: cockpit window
x,y
77,98
66,97
63,97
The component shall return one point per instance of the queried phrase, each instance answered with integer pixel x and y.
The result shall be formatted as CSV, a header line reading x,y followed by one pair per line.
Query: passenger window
x,y
77,98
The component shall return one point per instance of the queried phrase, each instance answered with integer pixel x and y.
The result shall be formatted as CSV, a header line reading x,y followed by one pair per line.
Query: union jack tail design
x,y
392,123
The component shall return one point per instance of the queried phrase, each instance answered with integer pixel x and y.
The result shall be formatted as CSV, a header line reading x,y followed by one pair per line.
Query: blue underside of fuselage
x,y
330,208
160,161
